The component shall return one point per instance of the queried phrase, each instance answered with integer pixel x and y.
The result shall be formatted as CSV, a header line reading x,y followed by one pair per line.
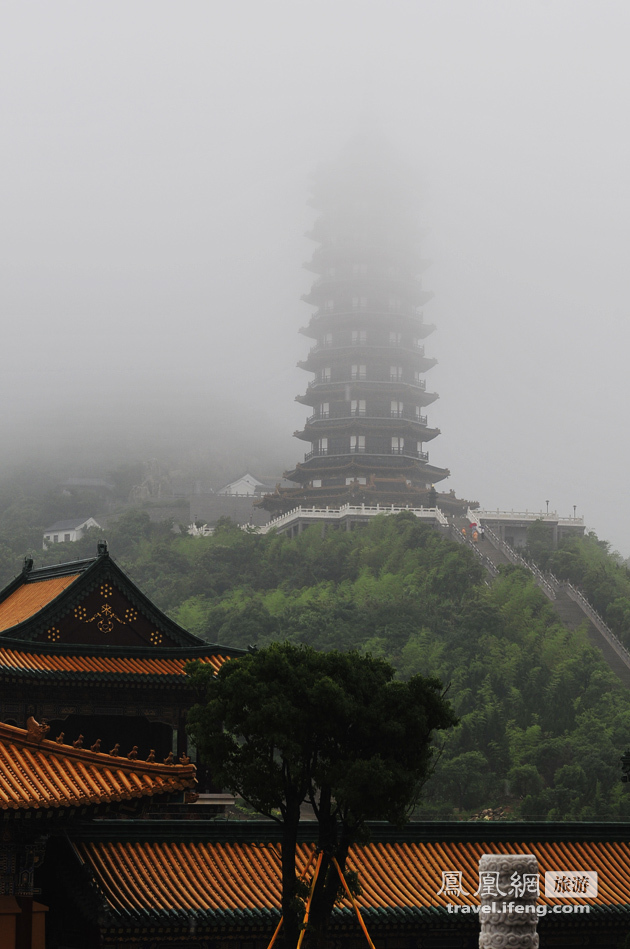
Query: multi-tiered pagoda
x,y
368,429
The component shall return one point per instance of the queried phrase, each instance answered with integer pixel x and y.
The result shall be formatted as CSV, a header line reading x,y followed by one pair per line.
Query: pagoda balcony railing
x,y
411,311
324,320
381,280
410,416
416,348
423,455
332,452
417,383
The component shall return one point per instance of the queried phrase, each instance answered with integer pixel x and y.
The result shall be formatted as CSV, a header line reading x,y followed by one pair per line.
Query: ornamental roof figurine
x,y
35,731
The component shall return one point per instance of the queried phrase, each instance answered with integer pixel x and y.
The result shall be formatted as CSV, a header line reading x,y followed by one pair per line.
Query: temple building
x,y
368,427
82,648
106,840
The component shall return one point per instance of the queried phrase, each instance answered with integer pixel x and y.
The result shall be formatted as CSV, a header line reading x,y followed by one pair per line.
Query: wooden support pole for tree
x,y
354,903
275,935
302,875
310,898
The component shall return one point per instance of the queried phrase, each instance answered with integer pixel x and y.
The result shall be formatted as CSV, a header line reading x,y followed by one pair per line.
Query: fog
x,y
154,186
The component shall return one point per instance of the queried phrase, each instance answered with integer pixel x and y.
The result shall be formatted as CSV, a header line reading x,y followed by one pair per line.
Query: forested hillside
x,y
542,719
587,562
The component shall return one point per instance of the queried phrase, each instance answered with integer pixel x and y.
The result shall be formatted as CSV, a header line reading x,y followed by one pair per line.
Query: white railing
x,y
548,585
552,586
597,621
351,510
528,516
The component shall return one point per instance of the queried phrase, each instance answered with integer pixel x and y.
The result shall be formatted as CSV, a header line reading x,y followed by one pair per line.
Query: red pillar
x,y
24,927
9,914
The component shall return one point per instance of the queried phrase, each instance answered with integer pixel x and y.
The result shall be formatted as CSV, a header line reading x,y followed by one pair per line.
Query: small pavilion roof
x,y
36,774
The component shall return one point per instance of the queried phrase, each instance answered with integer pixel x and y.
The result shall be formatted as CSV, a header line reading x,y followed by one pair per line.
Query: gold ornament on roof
x,y
105,617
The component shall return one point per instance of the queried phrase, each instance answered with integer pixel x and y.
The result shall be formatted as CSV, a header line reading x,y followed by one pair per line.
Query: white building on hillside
x,y
247,485
69,530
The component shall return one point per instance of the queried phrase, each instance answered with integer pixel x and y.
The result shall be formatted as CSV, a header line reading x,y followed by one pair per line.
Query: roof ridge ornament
x,y
28,564
101,549
36,731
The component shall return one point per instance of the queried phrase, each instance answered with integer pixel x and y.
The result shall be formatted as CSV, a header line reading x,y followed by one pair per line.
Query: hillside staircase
x,y
571,606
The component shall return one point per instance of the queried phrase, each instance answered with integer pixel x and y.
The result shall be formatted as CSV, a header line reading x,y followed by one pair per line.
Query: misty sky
x,y
154,182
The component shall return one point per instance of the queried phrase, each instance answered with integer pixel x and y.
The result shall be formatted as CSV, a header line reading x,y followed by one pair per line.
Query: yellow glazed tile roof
x,y
37,773
138,877
96,665
30,598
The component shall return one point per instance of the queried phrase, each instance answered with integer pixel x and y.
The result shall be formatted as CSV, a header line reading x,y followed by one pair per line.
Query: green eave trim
x,y
266,831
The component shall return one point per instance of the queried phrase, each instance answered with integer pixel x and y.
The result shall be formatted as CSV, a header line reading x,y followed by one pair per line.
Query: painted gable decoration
x,y
106,616
89,602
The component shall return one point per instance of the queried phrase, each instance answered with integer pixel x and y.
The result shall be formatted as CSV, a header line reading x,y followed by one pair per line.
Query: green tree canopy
x,y
288,724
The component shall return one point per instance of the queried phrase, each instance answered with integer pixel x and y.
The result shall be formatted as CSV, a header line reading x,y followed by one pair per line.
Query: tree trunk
x,y
323,907
334,843
291,914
